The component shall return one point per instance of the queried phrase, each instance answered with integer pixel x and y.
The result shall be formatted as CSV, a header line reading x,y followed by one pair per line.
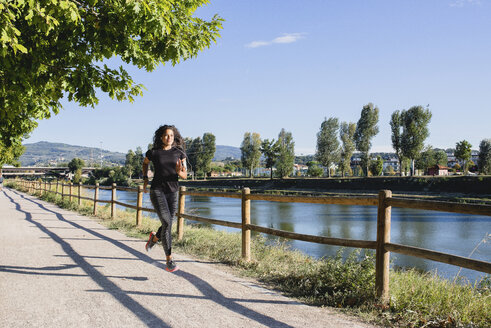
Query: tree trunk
x,y
400,166
271,170
412,167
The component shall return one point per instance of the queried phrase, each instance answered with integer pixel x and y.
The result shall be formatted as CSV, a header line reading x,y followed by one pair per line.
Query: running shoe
x,y
150,243
171,266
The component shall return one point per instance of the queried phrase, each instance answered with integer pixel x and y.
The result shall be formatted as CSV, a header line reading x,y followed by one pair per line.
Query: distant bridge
x,y
63,171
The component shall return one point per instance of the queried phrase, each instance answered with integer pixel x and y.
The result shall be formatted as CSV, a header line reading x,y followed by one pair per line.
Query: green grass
x,y
416,299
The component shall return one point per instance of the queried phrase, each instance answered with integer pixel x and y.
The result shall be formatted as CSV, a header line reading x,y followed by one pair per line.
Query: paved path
x,y
61,269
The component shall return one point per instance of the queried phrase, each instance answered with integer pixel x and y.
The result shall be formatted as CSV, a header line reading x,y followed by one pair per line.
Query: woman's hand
x,y
181,168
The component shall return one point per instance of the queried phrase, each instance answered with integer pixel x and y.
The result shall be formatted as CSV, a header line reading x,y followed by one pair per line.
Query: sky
x,y
293,63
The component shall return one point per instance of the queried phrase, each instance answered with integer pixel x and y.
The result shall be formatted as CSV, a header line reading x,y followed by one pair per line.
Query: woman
x,y
169,162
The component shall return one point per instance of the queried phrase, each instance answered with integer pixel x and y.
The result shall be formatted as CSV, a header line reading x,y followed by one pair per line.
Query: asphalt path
x,y
62,269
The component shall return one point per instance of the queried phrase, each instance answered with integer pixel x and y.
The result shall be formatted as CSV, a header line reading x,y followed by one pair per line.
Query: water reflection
x,y
451,233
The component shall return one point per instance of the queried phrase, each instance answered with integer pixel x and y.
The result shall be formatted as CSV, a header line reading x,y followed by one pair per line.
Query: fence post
x,y
382,255
56,186
139,202
45,190
246,219
79,199
113,199
70,189
62,191
96,195
180,210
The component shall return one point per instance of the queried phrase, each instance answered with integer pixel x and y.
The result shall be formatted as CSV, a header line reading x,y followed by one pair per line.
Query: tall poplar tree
x,y
366,129
327,152
251,151
346,133
463,151
208,153
414,132
484,160
286,154
396,129
270,150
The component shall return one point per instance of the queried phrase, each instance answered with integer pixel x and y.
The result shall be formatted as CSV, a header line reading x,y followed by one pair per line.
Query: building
x,y
438,170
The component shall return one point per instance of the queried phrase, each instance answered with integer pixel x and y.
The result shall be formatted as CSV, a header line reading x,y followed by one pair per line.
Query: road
x,y
62,269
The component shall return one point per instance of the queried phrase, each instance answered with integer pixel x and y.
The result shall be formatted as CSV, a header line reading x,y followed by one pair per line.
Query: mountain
x,y
223,152
49,153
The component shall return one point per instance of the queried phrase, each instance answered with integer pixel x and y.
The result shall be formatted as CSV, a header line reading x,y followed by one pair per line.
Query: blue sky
x,y
290,64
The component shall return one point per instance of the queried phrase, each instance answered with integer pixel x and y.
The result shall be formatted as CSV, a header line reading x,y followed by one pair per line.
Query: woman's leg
x,y
160,203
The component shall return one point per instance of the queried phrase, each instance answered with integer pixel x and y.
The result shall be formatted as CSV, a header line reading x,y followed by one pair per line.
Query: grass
x,y
417,299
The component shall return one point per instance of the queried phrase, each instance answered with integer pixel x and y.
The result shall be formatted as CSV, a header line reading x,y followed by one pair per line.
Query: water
x,y
451,233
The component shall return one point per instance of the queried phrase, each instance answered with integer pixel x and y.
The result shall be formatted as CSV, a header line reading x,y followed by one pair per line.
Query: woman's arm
x,y
181,169
145,173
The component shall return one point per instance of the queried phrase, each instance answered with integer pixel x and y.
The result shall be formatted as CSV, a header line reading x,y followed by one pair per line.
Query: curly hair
x,y
178,140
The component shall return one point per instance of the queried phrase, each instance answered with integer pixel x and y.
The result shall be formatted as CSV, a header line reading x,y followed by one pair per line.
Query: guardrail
x,y
382,244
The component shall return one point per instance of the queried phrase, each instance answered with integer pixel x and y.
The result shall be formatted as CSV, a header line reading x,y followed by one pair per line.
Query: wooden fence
x,y
381,245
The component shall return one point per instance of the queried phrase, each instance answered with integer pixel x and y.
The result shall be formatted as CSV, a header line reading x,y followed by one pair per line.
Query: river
x,y
452,233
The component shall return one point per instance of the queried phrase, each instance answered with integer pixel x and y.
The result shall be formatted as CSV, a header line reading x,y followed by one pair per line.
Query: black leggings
x,y
165,205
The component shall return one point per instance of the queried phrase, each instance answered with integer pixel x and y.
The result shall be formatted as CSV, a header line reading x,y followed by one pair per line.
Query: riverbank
x,y
418,300
470,186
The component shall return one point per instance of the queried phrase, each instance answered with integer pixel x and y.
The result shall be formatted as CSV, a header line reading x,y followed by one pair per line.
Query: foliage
x,y
106,176
200,152
55,48
366,129
251,151
430,157
270,150
10,154
286,157
414,132
76,164
208,153
134,162
396,136
377,166
484,160
463,151
389,170
314,170
346,133
327,152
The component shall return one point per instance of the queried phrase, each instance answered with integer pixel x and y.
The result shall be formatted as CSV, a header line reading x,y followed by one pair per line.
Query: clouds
x,y
285,38
462,3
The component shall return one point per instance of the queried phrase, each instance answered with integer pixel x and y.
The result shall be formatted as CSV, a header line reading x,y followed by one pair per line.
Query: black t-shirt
x,y
164,162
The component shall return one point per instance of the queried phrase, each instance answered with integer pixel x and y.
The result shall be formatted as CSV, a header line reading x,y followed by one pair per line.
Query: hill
x,y
49,153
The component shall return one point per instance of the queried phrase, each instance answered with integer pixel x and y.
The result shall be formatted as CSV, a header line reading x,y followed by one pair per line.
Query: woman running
x,y
169,162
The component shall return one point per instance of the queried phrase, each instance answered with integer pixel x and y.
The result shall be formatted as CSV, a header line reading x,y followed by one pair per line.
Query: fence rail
x,y
382,244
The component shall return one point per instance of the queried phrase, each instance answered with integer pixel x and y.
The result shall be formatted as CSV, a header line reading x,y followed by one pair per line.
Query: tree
x,y
463,151
10,154
366,129
194,150
208,153
377,166
346,133
286,156
270,150
314,169
130,159
396,136
414,132
251,151
52,49
327,143
484,159
75,166
430,157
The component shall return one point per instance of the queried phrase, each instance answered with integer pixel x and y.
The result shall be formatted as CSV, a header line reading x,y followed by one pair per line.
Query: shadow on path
x,y
146,316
